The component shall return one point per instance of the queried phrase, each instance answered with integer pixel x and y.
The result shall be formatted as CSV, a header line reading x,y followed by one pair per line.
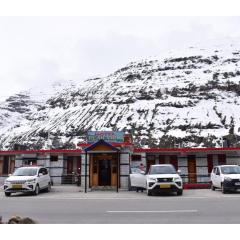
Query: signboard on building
x,y
108,136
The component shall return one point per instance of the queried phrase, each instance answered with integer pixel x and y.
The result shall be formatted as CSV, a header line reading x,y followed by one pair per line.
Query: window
x,y
53,158
43,171
136,157
151,157
217,171
30,162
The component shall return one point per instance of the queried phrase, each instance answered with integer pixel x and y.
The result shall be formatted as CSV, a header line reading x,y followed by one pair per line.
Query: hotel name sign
x,y
108,136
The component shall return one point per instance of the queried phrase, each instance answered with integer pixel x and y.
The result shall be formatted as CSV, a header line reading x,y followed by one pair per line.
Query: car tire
x,y
212,187
48,189
7,194
37,190
223,189
180,192
149,192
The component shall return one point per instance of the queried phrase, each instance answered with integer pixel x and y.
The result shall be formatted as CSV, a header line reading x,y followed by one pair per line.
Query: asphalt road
x,y
68,205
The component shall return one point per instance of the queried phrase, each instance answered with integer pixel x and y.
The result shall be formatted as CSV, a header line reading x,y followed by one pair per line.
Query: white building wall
x,y
124,181
84,161
56,169
124,158
18,161
202,169
233,158
183,167
124,170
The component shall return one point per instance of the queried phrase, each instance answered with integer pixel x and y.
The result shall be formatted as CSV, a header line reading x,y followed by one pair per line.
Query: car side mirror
x,y
40,174
179,171
142,172
10,175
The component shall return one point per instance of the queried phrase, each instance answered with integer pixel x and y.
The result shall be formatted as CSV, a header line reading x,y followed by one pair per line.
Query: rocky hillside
x,y
189,98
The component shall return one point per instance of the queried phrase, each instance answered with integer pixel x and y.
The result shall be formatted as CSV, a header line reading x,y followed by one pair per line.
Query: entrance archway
x,y
103,169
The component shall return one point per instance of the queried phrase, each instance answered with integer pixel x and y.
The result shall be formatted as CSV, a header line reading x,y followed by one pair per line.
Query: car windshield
x,y
230,170
25,172
162,170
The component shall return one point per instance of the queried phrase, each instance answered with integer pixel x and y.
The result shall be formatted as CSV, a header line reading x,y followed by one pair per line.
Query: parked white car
x,y
160,178
226,177
28,179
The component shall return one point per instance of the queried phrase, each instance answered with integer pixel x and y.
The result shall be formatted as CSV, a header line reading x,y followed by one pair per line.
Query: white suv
x,y
28,179
160,178
226,177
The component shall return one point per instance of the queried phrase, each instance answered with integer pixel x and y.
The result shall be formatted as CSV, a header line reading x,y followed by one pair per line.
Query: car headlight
x,y
227,179
177,179
31,181
6,182
153,179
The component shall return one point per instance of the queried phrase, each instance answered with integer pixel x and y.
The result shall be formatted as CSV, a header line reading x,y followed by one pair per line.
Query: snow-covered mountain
x,y
189,98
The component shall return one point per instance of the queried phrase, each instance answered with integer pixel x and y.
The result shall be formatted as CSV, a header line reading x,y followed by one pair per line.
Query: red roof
x,y
183,150
113,144
136,150
42,151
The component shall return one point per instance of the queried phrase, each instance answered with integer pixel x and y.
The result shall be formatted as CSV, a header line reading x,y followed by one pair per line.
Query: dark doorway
x,y
5,170
104,177
210,162
221,159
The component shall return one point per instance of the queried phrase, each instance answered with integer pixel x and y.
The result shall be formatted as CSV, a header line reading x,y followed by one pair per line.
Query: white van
x,y
28,179
226,177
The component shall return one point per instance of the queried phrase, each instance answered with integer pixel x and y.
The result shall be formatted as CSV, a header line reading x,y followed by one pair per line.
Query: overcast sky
x,y
37,50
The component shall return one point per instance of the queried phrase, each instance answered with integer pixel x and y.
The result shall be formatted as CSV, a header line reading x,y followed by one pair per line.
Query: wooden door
x,y
114,170
70,165
94,171
192,175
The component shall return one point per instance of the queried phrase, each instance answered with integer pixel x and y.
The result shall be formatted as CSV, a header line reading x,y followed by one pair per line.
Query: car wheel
x,y
223,189
180,192
37,189
49,187
212,187
7,194
149,192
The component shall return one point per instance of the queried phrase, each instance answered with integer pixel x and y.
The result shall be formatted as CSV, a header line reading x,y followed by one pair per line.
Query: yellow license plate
x,y
17,186
165,185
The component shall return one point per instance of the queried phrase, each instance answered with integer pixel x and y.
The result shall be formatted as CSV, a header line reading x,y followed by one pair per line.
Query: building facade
x,y
101,164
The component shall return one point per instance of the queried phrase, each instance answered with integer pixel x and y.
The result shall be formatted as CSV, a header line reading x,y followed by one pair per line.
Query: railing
x,y
195,178
71,179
